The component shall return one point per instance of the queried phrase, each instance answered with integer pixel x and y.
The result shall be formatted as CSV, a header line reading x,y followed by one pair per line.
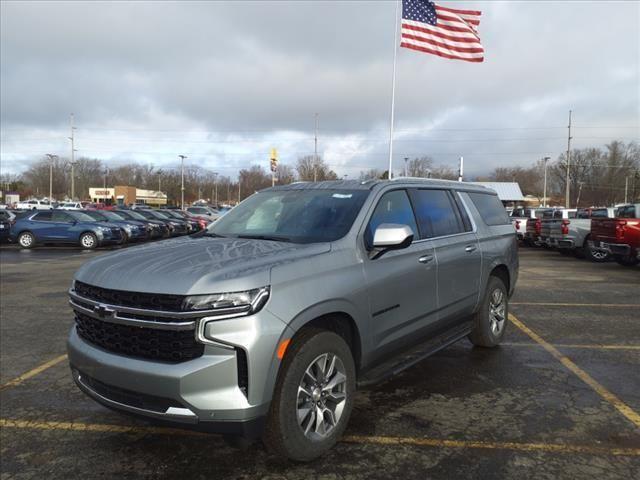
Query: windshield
x,y
112,216
131,214
81,217
300,216
95,216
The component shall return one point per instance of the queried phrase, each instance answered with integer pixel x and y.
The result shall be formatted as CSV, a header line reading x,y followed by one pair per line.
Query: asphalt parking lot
x,y
559,399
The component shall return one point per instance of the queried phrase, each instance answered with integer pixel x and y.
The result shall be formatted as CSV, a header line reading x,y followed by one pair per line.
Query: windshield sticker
x,y
342,195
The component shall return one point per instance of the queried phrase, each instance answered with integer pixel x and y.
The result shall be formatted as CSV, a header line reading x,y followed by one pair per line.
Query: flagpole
x,y
393,92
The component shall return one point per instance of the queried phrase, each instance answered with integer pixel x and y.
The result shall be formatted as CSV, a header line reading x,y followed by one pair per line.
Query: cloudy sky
x,y
223,82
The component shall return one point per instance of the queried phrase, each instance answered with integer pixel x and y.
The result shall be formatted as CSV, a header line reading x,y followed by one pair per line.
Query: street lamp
x,y
51,157
544,194
406,159
182,157
215,187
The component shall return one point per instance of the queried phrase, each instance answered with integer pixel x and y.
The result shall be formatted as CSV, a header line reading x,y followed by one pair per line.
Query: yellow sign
x,y
274,154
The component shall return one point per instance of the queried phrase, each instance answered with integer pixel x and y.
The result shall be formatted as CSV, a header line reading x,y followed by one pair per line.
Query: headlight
x,y
246,302
128,229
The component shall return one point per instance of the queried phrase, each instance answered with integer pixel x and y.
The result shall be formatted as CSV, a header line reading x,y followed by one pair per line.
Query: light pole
x,y
406,159
51,157
215,187
73,160
182,157
544,194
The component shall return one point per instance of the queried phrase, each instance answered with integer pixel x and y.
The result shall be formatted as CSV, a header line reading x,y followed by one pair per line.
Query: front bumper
x,y
202,393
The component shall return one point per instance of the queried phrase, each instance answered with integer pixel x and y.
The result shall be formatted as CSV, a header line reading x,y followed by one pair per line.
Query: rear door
x,y
444,222
401,284
62,224
42,226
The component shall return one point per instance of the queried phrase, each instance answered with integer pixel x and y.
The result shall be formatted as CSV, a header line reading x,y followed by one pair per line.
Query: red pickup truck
x,y
620,236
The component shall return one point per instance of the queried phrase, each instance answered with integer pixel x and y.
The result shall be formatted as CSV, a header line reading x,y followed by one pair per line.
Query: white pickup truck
x,y
573,235
34,204
519,218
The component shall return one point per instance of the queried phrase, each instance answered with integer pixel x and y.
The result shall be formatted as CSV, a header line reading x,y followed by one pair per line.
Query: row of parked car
x,y
94,227
598,234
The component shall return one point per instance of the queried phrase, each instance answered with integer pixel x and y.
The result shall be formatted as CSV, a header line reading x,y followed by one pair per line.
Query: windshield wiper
x,y
265,237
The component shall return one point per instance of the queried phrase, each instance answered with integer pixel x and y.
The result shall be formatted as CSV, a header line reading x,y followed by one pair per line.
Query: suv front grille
x,y
171,346
145,301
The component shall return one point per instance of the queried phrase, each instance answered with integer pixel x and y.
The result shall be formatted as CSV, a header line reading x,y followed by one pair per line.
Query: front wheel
x,y
26,240
313,398
626,261
490,321
88,240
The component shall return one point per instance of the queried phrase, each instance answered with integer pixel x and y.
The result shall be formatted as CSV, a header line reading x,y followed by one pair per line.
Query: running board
x,y
404,360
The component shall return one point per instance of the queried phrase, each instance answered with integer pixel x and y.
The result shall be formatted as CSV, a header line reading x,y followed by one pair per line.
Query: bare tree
x,y
310,168
420,167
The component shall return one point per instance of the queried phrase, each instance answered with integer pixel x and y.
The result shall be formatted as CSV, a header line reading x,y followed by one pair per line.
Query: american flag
x,y
446,32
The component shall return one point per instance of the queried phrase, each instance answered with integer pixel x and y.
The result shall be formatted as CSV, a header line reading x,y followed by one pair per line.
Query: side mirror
x,y
390,236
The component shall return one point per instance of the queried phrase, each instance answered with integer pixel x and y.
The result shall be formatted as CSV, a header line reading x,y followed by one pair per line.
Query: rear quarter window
x,y
490,207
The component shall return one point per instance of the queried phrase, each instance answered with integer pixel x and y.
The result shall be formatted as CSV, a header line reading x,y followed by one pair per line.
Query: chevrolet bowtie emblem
x,y
103,311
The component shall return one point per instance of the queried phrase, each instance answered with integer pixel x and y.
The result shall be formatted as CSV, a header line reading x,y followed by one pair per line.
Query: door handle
x,y
425,258
470,248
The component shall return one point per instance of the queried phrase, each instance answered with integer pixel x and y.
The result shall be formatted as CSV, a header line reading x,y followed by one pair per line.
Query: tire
x,y
284,435
88,241
489,322
594,255
26,240
626,261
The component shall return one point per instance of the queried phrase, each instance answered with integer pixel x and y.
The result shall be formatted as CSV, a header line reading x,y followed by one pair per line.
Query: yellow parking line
x,y
575,345
356,439
590,305
527,447
33,372
622,407
93,427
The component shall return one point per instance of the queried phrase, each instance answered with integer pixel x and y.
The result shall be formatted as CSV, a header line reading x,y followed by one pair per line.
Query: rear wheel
x,y
313,398
88,240
26,240
626,261
490,321
594,255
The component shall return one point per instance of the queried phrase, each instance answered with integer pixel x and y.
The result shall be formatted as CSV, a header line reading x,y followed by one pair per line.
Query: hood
x,y
194,265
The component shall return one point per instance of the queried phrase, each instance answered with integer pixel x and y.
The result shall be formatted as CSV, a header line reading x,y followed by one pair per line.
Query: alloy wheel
x,y
26,240
497,311
87,241
322,395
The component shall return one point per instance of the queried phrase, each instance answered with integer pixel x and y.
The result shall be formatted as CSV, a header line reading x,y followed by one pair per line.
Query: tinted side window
x,y
59,216
393,207
490,207
42,217
436,212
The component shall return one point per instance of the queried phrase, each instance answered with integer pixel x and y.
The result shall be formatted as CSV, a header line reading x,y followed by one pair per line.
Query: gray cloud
x,y
225,81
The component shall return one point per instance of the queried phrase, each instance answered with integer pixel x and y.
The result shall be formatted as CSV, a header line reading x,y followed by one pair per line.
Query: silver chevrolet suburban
x,y
263,325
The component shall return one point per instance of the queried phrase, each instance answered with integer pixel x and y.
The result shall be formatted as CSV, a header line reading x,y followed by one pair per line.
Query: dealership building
x,y
125,195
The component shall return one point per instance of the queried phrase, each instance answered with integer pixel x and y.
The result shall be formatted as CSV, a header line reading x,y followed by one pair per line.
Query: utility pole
x,y
215,189
182,157
73,159
406,159
315,152
626,188
104,186
544,194
579,193
239,188
566,194
159,181
51,157
461,171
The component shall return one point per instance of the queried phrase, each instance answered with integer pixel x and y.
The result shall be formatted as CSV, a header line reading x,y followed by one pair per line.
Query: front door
x,y
402,283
